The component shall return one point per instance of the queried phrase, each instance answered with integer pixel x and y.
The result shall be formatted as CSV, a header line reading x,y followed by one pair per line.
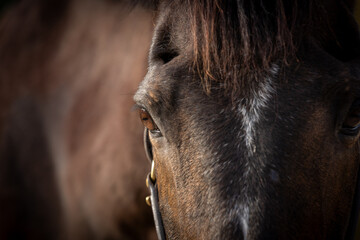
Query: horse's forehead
x,y
174,22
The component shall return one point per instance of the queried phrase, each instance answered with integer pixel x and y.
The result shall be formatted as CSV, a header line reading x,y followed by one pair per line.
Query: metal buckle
x,y
152,179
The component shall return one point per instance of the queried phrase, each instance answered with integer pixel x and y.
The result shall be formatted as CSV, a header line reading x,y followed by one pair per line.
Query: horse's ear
x,y
343,38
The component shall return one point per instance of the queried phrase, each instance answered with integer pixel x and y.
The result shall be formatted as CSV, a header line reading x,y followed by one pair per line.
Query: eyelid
x,y
136,107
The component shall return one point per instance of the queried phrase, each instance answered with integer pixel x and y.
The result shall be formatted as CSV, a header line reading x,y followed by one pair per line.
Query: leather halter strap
x,y
153,199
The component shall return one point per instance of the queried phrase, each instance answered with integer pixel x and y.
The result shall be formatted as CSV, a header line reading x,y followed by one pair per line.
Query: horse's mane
x,y
234,39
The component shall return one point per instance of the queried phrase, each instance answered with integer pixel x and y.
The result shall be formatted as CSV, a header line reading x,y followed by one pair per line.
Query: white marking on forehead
x,y
252,109
274,70
242,213
245,221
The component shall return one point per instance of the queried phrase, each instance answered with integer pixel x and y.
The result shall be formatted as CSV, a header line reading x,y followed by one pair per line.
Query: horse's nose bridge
x,y
245,202
245,220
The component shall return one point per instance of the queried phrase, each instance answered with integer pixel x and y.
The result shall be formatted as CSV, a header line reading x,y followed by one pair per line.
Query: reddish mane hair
x,y
238,39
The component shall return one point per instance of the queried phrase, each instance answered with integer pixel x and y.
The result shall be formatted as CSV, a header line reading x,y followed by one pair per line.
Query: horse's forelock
x,y
235,38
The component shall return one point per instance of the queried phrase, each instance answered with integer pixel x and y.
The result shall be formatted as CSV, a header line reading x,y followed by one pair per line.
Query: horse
x,y
71,159
251,112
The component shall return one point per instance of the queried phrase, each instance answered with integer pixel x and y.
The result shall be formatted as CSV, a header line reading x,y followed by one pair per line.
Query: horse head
x,y
252,110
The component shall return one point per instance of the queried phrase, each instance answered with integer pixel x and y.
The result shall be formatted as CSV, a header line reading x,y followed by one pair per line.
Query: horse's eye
x,y
147,120
351,124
